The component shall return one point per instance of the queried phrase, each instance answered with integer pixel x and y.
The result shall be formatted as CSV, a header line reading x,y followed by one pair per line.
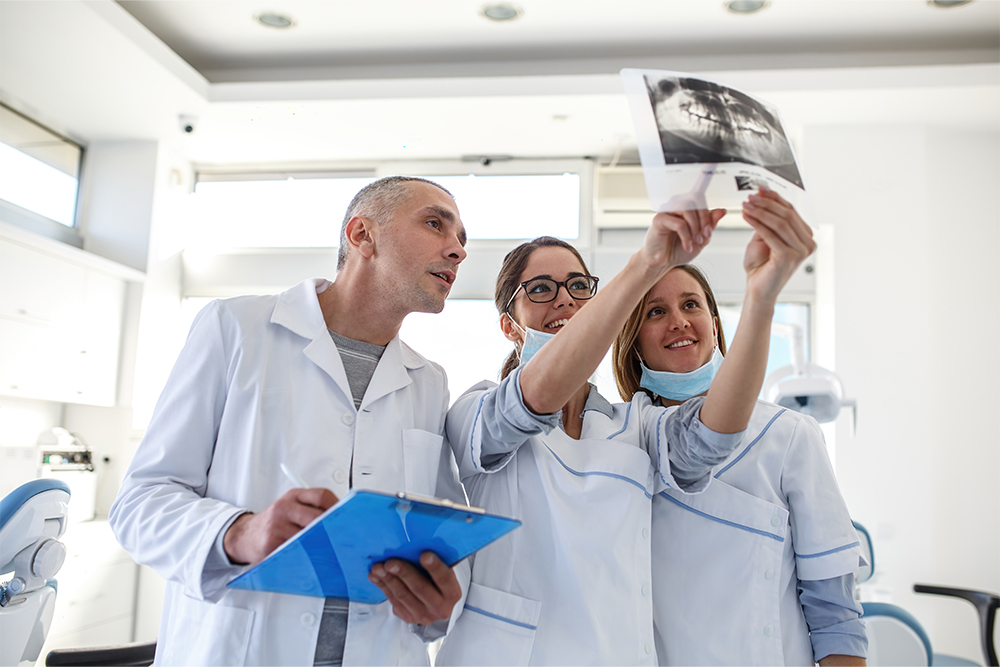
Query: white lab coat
x,y
259,383
728,560
571,586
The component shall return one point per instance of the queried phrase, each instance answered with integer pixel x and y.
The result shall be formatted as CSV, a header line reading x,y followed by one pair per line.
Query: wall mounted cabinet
x,y
61,312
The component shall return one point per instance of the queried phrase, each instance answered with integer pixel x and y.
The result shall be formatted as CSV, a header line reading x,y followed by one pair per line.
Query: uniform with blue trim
x,y
573,584
744,571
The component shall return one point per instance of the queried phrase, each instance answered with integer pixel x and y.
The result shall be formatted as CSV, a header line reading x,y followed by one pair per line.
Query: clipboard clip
x,y
440,502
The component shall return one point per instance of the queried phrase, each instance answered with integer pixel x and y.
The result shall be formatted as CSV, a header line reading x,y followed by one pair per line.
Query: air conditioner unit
x,y
622,202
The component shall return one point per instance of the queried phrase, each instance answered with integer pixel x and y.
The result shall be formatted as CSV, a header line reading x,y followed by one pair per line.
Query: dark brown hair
x,y
623,352
509,280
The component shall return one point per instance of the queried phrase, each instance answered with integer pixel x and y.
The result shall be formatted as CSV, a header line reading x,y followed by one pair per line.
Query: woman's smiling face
x,y
678,332
556,263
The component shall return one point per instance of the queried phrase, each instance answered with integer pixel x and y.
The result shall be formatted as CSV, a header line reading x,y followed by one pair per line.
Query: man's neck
x,y
351,310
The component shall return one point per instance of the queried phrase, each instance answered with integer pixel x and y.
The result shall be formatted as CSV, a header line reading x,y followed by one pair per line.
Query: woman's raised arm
x,y
781,241
565,363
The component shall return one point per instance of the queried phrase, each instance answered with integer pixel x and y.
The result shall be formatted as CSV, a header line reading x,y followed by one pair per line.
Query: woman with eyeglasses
x,y
572,585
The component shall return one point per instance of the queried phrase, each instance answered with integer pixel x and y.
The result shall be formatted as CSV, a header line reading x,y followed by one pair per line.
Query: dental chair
x,y
32,519
895,637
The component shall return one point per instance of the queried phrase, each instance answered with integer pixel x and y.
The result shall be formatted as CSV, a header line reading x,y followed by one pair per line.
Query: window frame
x,y
36,222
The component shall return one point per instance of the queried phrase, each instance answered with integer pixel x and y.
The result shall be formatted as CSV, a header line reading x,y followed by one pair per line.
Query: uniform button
x,y
645,590
648,648
339,477
645,533
768,631
769,574
775,520
308,619
348,419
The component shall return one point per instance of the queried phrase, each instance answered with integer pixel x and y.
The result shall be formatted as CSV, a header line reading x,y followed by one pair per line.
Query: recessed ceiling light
x,y
500,11
948,3
274,20
745,6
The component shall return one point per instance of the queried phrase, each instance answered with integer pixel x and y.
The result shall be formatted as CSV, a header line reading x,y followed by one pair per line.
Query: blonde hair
x,y
624,352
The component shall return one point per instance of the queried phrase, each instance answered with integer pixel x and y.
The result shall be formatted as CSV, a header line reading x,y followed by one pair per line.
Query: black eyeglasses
x,y
543,290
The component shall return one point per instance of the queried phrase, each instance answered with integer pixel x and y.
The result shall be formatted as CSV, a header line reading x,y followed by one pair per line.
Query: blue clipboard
x,y
331,557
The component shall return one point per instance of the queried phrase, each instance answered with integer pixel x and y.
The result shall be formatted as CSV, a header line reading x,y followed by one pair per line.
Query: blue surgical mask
x,y
681,386
533,341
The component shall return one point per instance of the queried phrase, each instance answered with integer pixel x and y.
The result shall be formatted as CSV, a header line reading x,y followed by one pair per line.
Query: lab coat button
x,y
645,590
348,418
339,477
308,619
768,631
775,521
645,533
649,648
769,574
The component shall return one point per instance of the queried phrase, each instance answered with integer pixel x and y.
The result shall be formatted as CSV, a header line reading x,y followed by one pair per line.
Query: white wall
x,y
915,213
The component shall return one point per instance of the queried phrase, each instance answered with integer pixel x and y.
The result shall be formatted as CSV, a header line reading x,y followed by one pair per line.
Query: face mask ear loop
x,y
517,347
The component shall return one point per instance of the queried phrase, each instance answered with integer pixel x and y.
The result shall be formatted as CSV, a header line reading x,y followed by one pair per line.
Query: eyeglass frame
x,y
555,294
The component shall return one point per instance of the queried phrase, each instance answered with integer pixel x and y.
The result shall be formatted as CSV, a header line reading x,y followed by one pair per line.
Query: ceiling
x,y
358,82
402,38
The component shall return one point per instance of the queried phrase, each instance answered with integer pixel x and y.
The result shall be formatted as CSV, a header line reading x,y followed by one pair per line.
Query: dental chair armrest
x,y
986,605
138,654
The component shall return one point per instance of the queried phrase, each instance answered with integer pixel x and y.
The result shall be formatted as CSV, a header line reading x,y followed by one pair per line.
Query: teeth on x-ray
x,y
704,122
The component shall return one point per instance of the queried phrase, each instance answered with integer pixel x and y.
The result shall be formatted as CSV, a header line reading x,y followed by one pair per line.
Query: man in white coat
x,y
314,378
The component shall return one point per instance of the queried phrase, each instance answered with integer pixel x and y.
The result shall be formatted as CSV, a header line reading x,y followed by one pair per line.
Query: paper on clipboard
x,y
331,557
706,145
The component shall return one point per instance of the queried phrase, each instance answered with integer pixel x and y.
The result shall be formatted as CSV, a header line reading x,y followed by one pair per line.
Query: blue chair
x,y
895,637
32,519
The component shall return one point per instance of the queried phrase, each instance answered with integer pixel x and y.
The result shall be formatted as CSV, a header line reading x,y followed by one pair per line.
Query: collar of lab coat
x,y
597,402
297,309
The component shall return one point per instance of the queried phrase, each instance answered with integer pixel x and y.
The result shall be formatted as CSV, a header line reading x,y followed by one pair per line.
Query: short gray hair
x,y
378,201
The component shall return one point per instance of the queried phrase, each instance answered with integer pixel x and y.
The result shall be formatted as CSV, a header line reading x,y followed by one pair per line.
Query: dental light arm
x,y
806,388
32,518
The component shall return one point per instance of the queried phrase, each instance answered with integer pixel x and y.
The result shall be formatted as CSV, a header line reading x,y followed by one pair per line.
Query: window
x,y
780,352
516,206
303,210
270,210
39,170
465,339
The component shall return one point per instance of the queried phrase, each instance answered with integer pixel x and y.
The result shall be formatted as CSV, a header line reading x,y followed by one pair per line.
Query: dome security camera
x,y
187,123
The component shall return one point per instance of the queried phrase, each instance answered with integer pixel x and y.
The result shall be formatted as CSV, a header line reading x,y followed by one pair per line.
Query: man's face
x,y
420,249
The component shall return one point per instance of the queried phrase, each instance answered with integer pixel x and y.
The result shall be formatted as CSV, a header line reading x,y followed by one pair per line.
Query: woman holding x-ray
x,y
759,569
573,584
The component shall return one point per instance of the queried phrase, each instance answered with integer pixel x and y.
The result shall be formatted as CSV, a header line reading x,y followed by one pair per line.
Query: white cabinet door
x,y
60,328
39,288
95,604
33,361
98,343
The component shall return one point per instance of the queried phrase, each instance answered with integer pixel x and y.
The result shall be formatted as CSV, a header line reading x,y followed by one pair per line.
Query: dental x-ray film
x,y
703,144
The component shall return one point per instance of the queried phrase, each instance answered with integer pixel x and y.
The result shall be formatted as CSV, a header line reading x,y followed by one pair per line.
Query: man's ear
x,y
508,328
360,237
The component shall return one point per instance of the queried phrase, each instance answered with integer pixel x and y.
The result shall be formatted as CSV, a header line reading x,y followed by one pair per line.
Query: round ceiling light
x,y
745,6
500,11
274,20
948,3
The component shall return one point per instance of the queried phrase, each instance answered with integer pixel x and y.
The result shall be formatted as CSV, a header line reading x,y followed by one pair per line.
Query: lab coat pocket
x,y
421,460
207,634
495,628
